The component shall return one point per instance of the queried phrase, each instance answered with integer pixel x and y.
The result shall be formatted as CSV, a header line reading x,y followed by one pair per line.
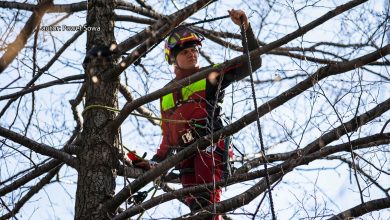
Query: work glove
x,y
141,162
138,161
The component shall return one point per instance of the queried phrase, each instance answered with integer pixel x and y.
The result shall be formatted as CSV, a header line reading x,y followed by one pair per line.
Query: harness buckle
x,y
187,137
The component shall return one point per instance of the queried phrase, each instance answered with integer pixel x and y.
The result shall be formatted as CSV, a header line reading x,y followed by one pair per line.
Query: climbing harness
x,y
140,196
246,51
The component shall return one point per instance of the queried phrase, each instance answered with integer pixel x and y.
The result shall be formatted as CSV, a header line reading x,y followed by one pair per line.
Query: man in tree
x,y
194,110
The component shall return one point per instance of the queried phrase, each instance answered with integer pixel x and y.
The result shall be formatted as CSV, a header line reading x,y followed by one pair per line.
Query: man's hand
x,y
146,164
152,164
143,164
236,16
140,162
213,77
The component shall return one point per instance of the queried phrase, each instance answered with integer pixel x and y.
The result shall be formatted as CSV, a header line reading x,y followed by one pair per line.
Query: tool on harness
x,y
187,137
139,197
192,134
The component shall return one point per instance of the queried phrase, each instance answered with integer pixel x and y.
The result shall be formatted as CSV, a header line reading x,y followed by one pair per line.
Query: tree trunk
x,y
99,154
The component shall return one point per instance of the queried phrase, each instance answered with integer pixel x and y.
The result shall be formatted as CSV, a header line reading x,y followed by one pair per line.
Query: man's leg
x,y
208,167
188,179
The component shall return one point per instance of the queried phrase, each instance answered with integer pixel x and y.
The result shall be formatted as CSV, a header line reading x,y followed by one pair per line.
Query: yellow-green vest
x,y
168,101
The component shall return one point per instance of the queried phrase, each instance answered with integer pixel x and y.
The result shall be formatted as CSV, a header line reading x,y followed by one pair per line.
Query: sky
x,y
62,205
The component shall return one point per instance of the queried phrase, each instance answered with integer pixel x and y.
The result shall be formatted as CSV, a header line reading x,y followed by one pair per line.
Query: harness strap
x,y
184,171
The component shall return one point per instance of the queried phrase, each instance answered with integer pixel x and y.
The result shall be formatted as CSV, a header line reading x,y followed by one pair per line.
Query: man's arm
x,y
162,151
240,71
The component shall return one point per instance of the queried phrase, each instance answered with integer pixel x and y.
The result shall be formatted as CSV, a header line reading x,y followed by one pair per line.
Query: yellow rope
x,y
135,114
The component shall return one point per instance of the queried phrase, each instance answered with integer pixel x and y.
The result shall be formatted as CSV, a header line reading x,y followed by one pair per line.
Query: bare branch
x,y
149,115
39,148
44,69
38,171
158,30
138,10
65,80
360,143
14,48
35,189
359,210
55,8
134,19
360,170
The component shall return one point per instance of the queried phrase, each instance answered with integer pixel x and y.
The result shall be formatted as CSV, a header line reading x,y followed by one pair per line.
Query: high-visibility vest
x,y
168,101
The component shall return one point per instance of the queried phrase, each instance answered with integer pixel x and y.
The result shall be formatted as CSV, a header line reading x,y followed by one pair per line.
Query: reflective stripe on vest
x,y
168,101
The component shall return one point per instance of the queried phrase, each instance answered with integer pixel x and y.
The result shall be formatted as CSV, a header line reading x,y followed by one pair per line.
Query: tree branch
x,y
38,171
134,19
41,86
39,148
35,189
360,143
355,166
137,9
57,8
14,48
240,175
235,202
157,31
45,68
142,110
359,210
129,107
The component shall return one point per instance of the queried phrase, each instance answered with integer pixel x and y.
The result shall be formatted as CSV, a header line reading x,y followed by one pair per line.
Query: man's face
x,y
187,58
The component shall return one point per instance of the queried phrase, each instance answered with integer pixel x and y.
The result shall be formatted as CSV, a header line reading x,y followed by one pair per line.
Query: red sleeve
x,y
240,71
162,151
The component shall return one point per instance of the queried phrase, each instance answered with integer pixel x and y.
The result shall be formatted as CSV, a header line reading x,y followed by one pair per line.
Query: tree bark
x,y
98,156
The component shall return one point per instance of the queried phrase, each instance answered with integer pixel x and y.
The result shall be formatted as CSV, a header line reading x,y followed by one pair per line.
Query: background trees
x,y
323,92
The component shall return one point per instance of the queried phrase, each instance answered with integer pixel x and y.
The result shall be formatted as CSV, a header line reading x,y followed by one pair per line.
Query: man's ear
x,y
173,60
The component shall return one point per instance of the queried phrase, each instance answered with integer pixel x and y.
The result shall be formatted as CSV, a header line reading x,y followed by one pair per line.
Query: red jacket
x,y
198,102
